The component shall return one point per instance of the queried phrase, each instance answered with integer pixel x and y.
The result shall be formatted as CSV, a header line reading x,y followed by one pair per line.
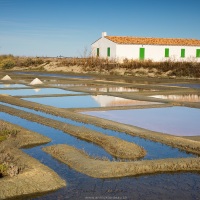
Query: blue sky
x,y
67,27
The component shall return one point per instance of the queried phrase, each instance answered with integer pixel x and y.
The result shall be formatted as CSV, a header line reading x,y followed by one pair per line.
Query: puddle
x,y
12,85
80,186
180,121
88,101
53,75
119,89
37,91
184,97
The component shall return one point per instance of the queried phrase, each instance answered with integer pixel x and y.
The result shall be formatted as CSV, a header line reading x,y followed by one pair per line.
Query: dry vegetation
x,y
170,68
105,169
7,161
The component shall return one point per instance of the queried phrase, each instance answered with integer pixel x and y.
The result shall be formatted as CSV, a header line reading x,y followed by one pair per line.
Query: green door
x,y
142,53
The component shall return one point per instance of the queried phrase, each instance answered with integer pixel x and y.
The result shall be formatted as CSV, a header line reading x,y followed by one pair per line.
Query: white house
x,y
142,48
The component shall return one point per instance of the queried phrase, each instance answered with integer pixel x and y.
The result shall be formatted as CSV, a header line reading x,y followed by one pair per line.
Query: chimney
x,y
104,34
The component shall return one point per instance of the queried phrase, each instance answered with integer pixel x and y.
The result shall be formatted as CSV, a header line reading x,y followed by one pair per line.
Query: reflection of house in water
x,y
119,89
105,101
188,98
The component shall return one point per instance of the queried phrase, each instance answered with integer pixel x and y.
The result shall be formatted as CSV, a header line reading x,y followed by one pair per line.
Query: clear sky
x,y
67,27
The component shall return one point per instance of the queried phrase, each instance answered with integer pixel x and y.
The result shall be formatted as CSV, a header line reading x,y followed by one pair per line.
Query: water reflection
x,y
79,186
41,91
87,101
188,97
120,89
178,121
12,85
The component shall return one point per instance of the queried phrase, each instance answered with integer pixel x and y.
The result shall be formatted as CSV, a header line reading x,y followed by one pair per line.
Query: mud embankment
x,y
177,142
115,146
105,169
35,178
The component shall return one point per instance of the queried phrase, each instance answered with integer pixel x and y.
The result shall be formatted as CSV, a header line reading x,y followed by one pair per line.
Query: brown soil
x,y
34,177
106,169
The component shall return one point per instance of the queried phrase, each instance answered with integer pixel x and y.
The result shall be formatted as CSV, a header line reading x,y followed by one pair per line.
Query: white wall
x,y
103,44
156,52
152,52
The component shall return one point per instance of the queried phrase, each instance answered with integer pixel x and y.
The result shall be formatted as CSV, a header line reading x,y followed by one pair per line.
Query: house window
x,y
98,52
182,53
166,52
198,53
142,53
108,51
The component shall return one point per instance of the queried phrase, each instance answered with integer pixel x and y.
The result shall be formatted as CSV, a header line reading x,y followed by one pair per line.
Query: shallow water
x,y
87,101
190,85
57,136
155,150
37,91
79,186
183,97
12,85
180,121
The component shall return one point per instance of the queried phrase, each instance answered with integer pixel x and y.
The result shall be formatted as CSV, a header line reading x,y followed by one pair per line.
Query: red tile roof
x,y
153,41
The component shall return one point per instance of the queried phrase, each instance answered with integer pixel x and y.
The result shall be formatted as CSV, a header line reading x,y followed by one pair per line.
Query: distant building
x,y
142,48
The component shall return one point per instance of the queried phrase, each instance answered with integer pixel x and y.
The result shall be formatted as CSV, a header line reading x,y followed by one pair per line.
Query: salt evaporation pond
x,y
183,97
180,121
151,147
80,186
37,91
12,85
87,101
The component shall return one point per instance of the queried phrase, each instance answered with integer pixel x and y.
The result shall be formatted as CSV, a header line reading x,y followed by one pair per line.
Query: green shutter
x,y
198,53
142,53
108,51
98,52
182,53
166,52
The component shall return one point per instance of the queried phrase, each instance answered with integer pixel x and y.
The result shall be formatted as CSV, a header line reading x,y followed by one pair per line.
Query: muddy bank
x,y
34,178
115,146
81,162
177,142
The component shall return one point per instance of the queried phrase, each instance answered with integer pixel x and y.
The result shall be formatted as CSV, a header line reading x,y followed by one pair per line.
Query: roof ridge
x,y
154,40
